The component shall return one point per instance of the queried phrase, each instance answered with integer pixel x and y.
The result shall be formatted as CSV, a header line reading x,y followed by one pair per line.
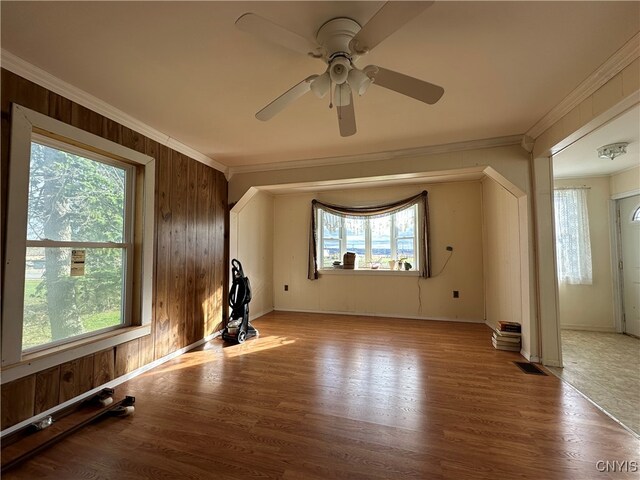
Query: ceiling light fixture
x,y
321,85
358,81
612,150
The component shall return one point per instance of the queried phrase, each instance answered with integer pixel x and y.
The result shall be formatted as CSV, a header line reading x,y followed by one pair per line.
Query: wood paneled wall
x,y
191,253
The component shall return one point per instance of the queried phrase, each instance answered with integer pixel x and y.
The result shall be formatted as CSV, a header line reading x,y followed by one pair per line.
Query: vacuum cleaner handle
x,y
236,269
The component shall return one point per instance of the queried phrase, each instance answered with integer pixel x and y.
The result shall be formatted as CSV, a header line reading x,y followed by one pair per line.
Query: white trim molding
x,y
621,195
111,384
605,72
377,156
36,75
589,328
15,362
383,315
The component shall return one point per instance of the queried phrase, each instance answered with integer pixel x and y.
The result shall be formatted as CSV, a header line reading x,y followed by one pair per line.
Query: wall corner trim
x,y
622,58
21,67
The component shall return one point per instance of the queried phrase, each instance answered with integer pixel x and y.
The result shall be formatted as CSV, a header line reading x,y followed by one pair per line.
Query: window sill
x,y
369,271
43,359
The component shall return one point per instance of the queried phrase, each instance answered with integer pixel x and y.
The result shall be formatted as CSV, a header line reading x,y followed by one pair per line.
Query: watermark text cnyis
x,y
618,466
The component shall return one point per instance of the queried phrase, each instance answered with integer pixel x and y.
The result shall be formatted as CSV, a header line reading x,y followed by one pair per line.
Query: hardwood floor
x,y
342,397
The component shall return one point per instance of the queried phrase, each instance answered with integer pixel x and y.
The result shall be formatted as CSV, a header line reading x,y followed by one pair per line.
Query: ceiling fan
x,y
339,43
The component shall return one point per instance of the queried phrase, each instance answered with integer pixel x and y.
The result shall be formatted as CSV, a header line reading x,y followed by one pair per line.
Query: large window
x,y
378,242
78,264
573,246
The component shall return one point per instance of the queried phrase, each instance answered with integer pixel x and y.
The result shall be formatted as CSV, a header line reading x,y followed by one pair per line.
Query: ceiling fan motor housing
x,y
335,35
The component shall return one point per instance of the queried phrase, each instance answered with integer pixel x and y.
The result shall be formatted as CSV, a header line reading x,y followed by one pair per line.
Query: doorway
x,y
597,243
628,225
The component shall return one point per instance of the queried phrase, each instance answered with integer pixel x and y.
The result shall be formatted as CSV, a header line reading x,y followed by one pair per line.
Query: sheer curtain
x,y
573,247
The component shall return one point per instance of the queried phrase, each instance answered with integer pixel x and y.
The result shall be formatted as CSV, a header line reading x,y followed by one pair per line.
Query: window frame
x,y
126,245
26,125
368,241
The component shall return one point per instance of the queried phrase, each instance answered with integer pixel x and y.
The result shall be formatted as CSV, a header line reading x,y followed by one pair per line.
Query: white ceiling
x,y
580,159
185,70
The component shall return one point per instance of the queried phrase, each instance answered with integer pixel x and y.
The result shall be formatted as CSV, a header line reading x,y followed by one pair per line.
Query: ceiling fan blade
x,y
285,99
411,87
347,117
387,20
267,30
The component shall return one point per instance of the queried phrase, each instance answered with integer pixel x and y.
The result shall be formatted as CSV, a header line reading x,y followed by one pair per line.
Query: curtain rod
x,y
572,188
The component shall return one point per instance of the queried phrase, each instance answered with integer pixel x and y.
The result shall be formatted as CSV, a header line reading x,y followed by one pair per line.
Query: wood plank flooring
x,y
343,397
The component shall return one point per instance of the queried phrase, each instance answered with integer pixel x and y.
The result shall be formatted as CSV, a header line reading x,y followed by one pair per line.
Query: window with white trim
x,y
380,242
79,252
573,244
79,239
636,216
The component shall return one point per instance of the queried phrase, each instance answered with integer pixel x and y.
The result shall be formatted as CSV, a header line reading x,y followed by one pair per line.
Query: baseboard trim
x,y
529,357
384,315
111,384
587,328
255,316
551,363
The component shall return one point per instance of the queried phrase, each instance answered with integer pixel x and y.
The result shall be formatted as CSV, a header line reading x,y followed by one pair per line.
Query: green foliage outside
x,y
37,328
75,199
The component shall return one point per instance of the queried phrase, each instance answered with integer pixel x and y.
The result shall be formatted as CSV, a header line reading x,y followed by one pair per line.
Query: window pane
x,y
573,245
330,253
331,225
72,198
406,222
355,230
59,306
381,240
405,249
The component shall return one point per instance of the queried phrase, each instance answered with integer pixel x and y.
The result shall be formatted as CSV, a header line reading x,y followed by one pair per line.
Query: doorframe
x,y
616,255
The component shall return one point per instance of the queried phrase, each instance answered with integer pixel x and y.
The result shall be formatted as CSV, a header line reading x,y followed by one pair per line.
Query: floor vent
x,y
530,368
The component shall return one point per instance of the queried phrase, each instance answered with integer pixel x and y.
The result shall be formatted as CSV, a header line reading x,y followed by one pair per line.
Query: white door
x,y
629,215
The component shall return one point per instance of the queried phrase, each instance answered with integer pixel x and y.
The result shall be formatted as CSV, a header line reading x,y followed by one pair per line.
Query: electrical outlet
x,y
286,288
456,294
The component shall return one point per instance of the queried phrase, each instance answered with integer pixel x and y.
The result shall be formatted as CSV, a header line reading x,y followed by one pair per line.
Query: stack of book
x,y
507,336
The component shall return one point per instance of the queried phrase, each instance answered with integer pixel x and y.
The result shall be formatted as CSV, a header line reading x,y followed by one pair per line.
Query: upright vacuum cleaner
x,y
238,328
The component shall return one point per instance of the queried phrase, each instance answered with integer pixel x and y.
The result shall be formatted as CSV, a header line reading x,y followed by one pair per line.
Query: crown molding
x,y
36,75
622,58
377,156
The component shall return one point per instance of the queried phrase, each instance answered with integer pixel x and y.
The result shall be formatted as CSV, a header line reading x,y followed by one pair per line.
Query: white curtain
x,y
573,247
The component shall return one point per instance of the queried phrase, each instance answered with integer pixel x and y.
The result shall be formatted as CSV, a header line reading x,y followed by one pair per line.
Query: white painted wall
x,y
251,243
501,252
624,182
590,307
455,210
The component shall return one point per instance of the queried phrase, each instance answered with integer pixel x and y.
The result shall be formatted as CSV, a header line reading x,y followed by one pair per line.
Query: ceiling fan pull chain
x,y
331,92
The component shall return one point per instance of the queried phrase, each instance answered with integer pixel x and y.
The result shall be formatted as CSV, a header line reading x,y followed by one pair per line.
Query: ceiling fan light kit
x,y
358,81
339,43
321,85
